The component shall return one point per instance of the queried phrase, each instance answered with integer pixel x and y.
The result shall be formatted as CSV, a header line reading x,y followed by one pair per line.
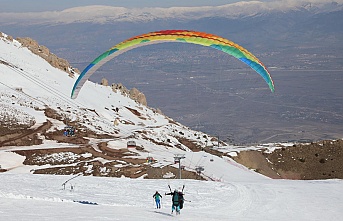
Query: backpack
x,y
176,198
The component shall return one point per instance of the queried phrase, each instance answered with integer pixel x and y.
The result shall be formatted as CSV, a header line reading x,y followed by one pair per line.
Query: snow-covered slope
x,y
29,84
42,197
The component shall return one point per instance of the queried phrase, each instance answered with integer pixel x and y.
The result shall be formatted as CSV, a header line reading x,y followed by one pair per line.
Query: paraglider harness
x,y
177,197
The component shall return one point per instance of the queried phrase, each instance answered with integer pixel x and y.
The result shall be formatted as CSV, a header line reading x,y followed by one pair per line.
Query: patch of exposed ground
x,y
257,161
190,144
81,131
157,142
134,111
321,160
25,137
158,173
7,133
22,135
109,162
84,160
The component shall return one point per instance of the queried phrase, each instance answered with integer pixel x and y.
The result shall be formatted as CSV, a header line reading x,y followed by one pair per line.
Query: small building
x,y
69,131
150,160
131,144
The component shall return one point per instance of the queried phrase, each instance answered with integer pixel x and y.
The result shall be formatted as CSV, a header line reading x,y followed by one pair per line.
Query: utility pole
x,y
177,159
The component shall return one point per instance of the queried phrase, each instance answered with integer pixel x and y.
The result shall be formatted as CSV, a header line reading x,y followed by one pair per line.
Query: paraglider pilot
x,y
177,200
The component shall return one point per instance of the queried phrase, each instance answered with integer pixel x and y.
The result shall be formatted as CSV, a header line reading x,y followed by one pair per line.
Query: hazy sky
x,y
53,5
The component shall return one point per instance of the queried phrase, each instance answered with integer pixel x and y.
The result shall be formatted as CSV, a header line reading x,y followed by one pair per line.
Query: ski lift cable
x,y
200,161
66,99
56,93
43,86
51,90
26,95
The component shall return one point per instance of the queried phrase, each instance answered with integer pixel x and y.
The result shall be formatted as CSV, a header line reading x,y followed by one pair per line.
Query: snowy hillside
x,y
36,108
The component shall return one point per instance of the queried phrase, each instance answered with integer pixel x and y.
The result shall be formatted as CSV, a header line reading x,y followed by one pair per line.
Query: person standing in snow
x,y
175,201
157,198
181,200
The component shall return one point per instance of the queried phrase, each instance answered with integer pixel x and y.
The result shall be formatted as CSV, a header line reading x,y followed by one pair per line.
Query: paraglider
x,y
193,37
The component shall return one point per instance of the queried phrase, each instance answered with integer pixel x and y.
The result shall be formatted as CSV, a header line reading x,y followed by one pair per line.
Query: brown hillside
x,y
322,160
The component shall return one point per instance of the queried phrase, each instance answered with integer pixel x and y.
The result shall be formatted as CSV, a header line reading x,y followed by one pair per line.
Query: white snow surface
x,y
42,197
235,192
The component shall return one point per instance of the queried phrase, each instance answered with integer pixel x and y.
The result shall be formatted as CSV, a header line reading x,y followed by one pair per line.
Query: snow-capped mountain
x,y
109,14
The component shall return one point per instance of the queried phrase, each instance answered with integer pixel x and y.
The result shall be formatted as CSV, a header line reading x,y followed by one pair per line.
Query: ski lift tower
x,y
177,159
64,184
199,169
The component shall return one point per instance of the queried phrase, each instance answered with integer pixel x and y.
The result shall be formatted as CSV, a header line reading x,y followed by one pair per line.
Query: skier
x,y
157,198
175,201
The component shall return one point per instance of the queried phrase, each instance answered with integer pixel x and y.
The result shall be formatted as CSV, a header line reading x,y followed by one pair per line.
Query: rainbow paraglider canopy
x,y
193,37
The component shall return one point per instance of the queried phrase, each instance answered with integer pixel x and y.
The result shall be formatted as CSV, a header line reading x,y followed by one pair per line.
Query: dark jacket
x,y
181,200
157,196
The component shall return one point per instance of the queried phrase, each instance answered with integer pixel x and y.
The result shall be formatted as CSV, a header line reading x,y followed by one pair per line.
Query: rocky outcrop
x,y
138,96
45,53
7,37
120,87
134,93
104,82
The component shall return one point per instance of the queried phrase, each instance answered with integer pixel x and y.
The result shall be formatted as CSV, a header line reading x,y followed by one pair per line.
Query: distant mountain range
x,y
254,24
108,14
